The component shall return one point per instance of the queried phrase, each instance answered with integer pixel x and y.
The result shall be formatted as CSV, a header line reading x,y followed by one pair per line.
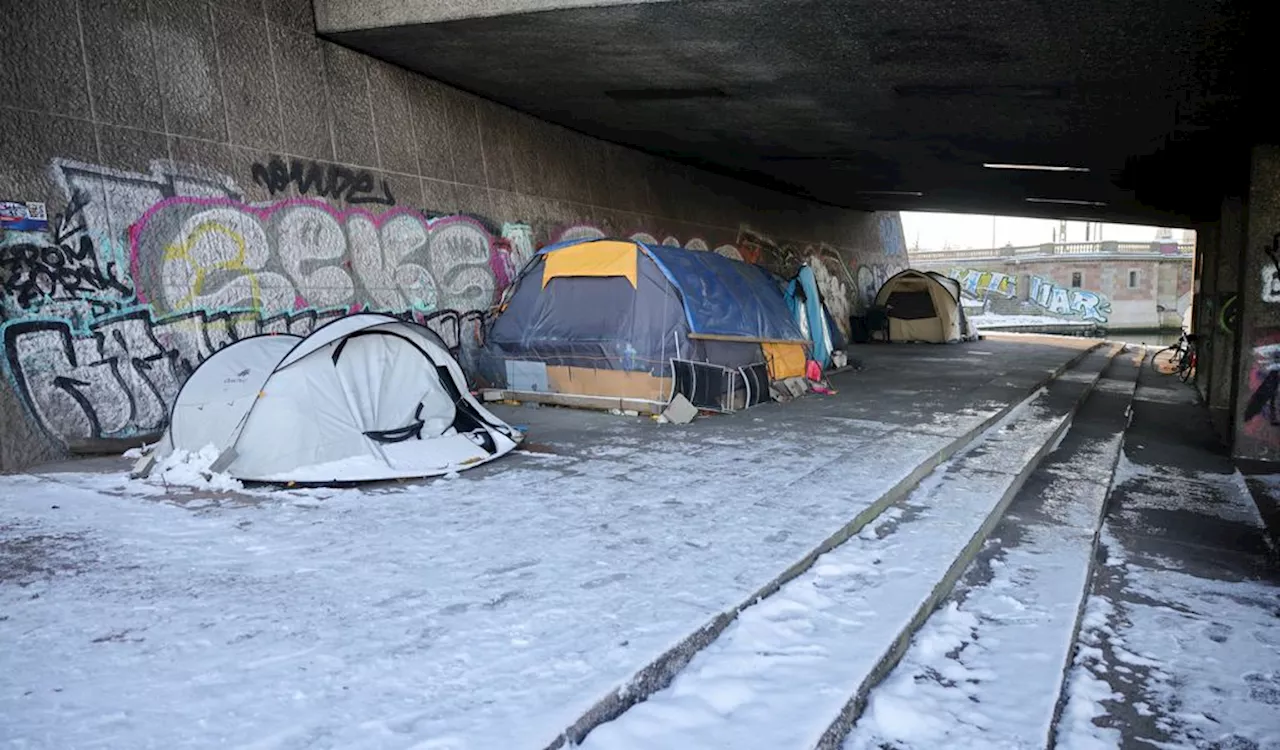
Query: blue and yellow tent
x,y
607,317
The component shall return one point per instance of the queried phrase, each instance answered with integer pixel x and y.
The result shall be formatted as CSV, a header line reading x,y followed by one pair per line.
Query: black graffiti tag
x,y
325,180
32,273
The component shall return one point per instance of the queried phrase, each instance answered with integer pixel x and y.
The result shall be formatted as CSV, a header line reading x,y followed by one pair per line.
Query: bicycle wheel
x,y
1167,360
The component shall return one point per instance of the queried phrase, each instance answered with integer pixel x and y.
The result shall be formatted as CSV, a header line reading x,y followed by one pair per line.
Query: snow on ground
x,y
191,469
1207,652
783,670
985,670
487,611
994,320
1176,655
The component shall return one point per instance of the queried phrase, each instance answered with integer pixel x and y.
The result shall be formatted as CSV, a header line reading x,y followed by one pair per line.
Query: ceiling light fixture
x,y
911,193
1066,201
1034,167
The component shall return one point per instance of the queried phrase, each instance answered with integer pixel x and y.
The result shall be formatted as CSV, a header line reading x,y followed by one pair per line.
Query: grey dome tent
x,y
366,397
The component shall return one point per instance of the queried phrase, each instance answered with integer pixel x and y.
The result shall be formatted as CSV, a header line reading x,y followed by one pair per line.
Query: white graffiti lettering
x,y
1086,305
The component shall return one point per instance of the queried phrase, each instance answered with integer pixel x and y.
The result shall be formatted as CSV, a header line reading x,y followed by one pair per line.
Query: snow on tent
x,y
365,397
920,307
622,324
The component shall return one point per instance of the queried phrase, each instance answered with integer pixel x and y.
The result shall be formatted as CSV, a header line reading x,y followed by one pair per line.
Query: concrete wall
x,y
1045,287
212,170
1257,402
344,15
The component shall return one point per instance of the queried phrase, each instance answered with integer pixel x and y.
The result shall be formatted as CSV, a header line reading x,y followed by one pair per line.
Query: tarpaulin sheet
x,y
725,297
594,322
805,302
600,259
784,360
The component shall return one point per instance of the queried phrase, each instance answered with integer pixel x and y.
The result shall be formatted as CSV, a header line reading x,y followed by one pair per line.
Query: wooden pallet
x,y
600,403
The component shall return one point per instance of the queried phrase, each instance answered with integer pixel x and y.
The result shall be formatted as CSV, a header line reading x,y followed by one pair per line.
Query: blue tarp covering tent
x,y
726,297
623,310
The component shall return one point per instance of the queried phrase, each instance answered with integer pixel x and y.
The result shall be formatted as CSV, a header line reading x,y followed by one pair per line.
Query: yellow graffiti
x,y
978,283
182,251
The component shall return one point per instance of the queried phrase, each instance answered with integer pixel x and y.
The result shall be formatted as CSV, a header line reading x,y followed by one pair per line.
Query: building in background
x,y
1119,286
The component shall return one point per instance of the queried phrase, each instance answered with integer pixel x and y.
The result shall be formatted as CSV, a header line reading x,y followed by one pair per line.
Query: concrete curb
x,y
1060,704
659,673
836,732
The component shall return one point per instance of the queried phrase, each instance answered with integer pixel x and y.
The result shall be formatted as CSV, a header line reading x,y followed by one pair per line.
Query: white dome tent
x,y
366,397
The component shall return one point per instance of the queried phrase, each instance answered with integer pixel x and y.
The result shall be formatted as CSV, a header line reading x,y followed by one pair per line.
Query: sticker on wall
x,y
23,217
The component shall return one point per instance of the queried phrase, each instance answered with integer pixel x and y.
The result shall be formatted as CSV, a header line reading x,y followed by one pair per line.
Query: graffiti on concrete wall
x,y
1271,271
979,284
870,278
1069,302
754,247
118,376
1270,284
207,253
834,288
64,269
323,180
1262,411
520,244
591,232
892,239
1228,313
143,276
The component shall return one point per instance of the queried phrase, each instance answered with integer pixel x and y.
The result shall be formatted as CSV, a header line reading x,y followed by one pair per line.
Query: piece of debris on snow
x,y
680,411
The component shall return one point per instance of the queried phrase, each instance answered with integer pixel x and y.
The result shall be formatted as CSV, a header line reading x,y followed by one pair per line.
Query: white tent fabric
x,y
213,402
968,331
366,397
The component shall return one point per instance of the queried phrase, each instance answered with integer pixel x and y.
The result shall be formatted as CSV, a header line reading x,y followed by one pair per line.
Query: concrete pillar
x,y
1204,288
1227,242
1257,405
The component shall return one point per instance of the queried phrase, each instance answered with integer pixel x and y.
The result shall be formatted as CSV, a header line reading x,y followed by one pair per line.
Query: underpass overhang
x,y
874,104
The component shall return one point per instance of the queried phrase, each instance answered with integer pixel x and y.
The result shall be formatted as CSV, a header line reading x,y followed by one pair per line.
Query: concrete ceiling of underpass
x,y
867,102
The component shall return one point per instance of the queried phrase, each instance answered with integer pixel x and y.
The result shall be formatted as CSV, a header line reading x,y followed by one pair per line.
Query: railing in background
x,y
1050,249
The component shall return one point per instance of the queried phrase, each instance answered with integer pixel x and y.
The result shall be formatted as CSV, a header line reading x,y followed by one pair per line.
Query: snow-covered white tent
x,y
365,397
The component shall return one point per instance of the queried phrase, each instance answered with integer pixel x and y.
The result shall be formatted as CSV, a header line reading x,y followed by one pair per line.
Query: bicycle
x,y
1178,359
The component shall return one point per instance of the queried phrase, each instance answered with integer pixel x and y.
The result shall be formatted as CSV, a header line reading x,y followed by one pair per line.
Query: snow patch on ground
x,y
992,320
1085,693
781,672
487,611
1176,488
985,669
1206,654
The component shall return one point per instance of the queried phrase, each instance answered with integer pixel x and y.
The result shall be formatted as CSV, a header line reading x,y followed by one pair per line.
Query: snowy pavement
x,y
1180,644
782,673
1173,659
986,670
487,611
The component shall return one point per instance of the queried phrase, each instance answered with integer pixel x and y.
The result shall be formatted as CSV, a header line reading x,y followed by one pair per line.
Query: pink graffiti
x,y
398,248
